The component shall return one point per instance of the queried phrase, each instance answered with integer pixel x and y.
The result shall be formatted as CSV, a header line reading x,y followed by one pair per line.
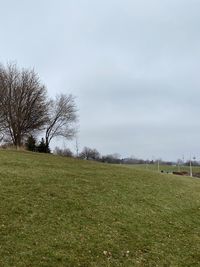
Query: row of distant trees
x,y
93,154
26,110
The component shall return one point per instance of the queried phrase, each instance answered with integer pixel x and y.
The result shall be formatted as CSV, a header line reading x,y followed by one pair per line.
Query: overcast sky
x,y
134,66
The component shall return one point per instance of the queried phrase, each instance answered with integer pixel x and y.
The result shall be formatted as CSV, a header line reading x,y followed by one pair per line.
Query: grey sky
x,y
133,65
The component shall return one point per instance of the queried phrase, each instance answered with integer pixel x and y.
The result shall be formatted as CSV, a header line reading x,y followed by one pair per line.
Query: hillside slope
x,y
64,212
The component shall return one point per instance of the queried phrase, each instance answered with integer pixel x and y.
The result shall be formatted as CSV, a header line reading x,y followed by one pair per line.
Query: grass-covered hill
x,y
63,212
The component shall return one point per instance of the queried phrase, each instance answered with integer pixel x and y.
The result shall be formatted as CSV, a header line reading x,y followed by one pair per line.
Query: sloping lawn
x,y
56,211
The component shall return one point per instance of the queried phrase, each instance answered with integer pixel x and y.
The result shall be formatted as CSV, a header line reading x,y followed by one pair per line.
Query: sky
x,y
133,66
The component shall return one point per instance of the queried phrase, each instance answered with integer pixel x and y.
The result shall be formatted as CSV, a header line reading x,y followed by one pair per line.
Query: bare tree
x,y
62,118
112,158
23,103
66,152
90,154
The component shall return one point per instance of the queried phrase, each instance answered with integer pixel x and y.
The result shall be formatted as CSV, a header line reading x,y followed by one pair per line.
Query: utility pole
x,y
179,167
158,165
77,147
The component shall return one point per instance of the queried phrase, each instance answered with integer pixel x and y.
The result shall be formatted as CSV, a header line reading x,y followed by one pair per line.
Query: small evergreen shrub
x,y
42,147
31,143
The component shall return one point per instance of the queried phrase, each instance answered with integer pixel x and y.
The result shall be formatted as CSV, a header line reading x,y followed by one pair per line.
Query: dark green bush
x,y
42,147
31,143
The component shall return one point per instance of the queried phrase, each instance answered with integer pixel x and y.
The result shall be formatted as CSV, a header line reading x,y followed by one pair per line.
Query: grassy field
x,y
64,212
170,168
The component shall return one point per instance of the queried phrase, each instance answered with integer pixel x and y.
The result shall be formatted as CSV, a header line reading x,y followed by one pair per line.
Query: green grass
x,y
63,212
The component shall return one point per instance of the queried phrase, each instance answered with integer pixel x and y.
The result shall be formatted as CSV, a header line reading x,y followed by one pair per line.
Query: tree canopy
x,y
25,108
23,103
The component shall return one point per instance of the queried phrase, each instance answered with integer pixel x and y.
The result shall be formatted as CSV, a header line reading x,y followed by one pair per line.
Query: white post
x,y
179,169
190,168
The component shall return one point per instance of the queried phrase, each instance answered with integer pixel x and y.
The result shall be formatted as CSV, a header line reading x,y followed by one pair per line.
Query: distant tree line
x,y
93,154
26,111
